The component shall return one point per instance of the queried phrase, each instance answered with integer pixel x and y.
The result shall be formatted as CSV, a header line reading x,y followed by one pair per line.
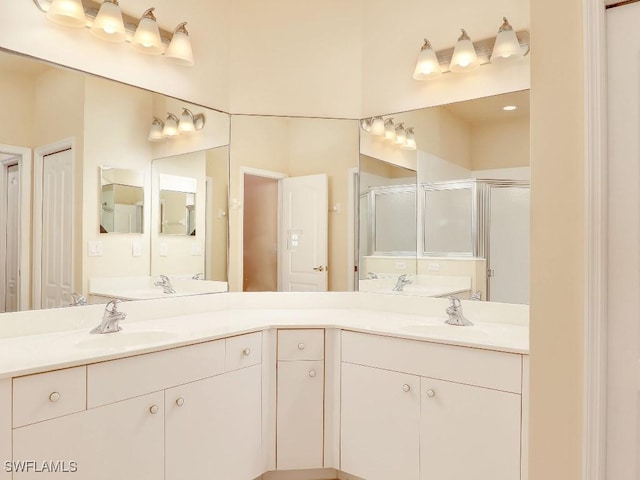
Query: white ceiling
x,y
489,109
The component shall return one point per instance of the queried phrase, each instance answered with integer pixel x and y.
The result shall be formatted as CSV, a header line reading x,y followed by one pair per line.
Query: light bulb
x,y
108,24
180,50
427,65
507,46
69,13
170,126
464,56
147,37
377,126
401,134
389,130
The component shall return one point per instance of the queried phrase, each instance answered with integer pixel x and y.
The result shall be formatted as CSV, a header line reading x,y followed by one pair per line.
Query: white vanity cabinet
x,y
420,410
300,399
380,423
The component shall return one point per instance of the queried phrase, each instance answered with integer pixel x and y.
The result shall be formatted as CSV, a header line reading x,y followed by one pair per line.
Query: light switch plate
x,y
136,248
196,250
95,248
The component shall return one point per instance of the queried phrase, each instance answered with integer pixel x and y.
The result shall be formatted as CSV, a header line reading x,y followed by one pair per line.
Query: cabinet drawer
x,y
484,368
116,380
243,351
301,344
48,395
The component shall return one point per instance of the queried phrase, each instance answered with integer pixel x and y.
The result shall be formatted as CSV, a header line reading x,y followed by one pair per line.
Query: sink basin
x,y
447,330
125,339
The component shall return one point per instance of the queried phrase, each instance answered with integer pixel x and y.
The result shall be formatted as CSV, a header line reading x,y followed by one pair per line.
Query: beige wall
x,y
500,144
557,240
218,171
18,104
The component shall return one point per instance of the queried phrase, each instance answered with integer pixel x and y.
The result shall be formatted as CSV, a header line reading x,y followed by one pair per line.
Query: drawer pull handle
x,y
154,409
301,346
406,387
431,393
180,401
54,397
312,373
246,352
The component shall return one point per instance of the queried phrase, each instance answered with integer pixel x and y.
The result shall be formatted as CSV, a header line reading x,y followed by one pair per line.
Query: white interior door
x,y
509,239
57,228
13,239
623,316
304,234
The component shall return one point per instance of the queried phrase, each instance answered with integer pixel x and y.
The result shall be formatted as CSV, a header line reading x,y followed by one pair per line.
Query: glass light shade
x,y
67,12
170,126
365,124
401,134
389,130
427,65
507,46
464,56
108,24
377,126
410,142
147,37
180,51
186,122
155,134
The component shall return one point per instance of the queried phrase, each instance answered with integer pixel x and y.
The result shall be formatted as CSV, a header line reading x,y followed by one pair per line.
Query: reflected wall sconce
x,y
388,132
173,126
108,22
466,55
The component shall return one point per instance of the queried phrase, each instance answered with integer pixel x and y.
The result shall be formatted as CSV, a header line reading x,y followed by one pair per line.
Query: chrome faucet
x,y
165,283
401,282
111,319
77,299
198,276
371,276
455,313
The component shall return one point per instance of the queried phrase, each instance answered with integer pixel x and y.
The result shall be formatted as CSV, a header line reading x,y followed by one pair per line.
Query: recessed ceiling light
x,y
509,108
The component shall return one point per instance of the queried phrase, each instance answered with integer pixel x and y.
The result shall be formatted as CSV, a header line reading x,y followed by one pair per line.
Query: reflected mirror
x,y
121,200
67,125
473,199
177,203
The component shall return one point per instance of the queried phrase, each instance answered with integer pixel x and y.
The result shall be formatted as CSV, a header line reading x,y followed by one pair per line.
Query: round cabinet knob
x,y
54,397
246,352
406,388
153,409
180,401
431,393
301,346
312,373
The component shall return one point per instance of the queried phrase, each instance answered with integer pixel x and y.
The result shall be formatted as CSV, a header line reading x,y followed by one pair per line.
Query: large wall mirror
x,y
79,205
472,202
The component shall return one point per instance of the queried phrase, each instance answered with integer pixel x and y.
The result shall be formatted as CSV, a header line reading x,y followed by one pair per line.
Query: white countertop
x,y
59,338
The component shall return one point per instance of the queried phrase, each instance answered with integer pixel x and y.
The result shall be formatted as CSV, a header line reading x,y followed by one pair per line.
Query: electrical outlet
x,y
164,249
136,248
433,267
95,248
196,250
401,265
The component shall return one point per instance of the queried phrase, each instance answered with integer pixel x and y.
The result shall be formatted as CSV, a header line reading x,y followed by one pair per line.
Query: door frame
x,y
38,160
353,182
256,172
596,267
23,157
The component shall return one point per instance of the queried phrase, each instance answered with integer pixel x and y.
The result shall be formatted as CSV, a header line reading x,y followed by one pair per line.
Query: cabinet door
x,y
213,427
380,423
300,417
124,440
468,432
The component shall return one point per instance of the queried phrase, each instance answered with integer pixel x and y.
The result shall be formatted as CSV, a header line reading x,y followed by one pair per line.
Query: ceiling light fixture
x,y
509,108
466,55
108,24
69,13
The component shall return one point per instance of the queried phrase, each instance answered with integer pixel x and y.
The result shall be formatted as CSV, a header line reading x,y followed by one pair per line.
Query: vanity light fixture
x,y
427,65
155,134
401,135
170,126
507,46
147,37
108,24
389,130
179,50
377,126
365,125
189,122
69,13
410,142
466,55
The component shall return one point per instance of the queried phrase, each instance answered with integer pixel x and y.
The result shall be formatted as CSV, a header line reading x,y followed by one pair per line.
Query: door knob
x,y
321,268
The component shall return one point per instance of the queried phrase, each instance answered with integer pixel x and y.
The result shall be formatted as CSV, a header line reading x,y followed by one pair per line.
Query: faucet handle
x,y
113,304
454,302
